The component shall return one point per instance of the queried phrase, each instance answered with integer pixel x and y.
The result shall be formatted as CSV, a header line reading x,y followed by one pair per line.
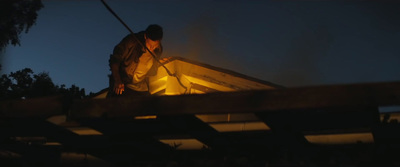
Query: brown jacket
x,y
127,53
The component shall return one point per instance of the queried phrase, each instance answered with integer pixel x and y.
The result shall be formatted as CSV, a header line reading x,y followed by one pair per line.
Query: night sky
x,y
290,43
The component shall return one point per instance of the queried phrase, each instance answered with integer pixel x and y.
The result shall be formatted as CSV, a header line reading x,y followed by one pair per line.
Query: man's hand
x,y
119,88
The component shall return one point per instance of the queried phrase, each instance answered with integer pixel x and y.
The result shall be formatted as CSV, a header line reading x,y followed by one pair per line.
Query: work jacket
x,y
127,53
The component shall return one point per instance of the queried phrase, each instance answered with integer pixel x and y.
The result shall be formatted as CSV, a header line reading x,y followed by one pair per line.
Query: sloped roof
x,y
199,78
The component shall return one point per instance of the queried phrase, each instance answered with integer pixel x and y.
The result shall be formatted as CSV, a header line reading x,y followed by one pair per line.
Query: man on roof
x,y
131,63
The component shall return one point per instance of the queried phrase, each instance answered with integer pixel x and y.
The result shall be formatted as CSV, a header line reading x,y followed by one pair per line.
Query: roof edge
x,y
227,71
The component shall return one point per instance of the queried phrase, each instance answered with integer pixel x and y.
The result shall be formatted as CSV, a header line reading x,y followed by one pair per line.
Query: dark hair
x,y
154,32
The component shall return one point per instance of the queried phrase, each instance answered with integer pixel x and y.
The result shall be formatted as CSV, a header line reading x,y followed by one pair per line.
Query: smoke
x,y
305,50
199,40
248,40
200,34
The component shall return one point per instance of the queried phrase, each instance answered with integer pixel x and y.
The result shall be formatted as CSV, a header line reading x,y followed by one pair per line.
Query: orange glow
x,y
85,131
206,78
348,138
184,144
53,144
237,127
146,117
233,122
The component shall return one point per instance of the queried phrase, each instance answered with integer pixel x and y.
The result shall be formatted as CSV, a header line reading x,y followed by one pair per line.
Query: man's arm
x,y
118,86
119,54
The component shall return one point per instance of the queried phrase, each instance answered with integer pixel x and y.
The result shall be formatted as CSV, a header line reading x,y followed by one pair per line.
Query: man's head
x,y
153,36
154,32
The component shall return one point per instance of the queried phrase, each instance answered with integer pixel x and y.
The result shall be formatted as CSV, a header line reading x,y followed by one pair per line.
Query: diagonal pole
x,y
152,54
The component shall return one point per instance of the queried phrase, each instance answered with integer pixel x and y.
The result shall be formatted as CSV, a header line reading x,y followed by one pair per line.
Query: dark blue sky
x,y
291,43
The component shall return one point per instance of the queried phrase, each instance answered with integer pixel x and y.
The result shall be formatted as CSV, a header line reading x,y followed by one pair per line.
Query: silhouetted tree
x,y
42,85
16,16
25,84
76,92
21,82
5,86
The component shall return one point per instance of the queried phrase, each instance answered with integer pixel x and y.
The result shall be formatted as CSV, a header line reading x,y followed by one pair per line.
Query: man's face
x,y
152,44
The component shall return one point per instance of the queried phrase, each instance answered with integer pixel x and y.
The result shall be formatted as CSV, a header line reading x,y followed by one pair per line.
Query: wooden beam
x,y
285,99
42,107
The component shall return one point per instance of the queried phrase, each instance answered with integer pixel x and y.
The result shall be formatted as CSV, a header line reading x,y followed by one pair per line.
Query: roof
x,y
197,78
